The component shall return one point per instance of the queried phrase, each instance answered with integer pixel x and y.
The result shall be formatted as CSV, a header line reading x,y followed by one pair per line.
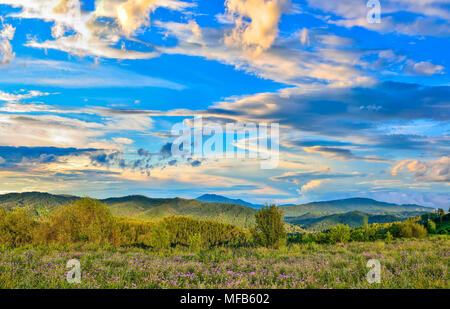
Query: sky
x,y
90,91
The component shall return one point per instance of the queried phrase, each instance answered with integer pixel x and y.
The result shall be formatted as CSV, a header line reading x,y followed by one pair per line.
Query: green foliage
x,y
388,237
339,234
213,233
431,226
408,229
16,227
269,230
195,241
86,220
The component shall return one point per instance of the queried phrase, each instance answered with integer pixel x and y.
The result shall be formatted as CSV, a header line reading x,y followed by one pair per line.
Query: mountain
x,y
141,207
222,199
137,206
34,201
314,216
353,204
352,219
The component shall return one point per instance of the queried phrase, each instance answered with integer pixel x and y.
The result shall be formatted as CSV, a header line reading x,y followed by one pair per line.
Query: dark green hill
x,y
353,204
37,202
141,207
311,216
352,219
137,206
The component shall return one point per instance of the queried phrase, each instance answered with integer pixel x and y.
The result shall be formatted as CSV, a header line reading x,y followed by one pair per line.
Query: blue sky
x,y
89,92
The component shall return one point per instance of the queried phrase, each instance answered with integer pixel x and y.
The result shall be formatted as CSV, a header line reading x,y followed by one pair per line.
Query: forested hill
x,y
313,216
137,206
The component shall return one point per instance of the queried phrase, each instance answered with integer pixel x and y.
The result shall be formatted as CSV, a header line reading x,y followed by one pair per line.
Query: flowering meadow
x,y
407,263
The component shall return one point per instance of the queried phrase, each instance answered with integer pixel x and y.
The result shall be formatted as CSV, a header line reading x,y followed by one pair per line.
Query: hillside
x,y
137,206
352,219
353,204
313,216
141,207
214,198
37,202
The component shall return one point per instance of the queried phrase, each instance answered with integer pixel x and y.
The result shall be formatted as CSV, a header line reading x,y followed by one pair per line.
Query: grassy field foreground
x,y
412,263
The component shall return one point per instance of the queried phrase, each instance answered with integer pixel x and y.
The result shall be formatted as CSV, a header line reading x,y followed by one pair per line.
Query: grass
x,y
408,263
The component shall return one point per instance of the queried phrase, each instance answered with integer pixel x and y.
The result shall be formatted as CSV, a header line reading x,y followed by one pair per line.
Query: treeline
x,y
415,227
90,221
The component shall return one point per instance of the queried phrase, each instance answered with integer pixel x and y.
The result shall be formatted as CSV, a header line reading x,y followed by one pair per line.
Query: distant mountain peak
x,y
215,198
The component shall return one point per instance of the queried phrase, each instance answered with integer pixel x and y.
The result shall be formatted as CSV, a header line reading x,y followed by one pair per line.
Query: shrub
x,y
195,241
16,227
339,233
431,227
408,229
87,220
388,237
269,230
157,236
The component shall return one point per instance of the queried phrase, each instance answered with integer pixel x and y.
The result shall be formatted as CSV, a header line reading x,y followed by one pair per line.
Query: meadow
x,y
405,263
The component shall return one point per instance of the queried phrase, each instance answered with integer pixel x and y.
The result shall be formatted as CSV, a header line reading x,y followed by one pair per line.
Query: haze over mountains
x,y
312,216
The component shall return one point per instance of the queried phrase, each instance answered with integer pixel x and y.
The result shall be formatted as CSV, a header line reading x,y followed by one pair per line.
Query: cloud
x,y
340,153
428,171
424,17
260,32
16,155
306,176
14,97
311,185
423,68
134,14
6,51
285,63
95,33
78,75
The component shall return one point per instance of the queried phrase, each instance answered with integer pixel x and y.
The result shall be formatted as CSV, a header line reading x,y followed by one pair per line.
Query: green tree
x,y
441,214
269,230
87,220
16,227
388,237
431,227
339,233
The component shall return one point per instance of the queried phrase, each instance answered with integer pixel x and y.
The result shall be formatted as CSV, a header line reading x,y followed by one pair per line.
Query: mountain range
x,y
312,216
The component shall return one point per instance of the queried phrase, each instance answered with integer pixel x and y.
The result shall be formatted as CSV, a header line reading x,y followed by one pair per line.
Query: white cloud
x,y
431,18
6,51
13,97
78,75
311,185
82,33
423,68
434,171
261,31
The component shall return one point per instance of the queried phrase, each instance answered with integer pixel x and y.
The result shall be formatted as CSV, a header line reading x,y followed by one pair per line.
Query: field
x,y
405,263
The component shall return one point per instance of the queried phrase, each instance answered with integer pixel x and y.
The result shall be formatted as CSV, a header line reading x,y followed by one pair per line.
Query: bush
x,y
388,237
339,233
431,227
269,230
16,227
408,229
213,233
195,241
87,220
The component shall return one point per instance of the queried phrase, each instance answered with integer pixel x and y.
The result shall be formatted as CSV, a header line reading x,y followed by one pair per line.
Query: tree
x,y
339,233
269,230
441,214
431,226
